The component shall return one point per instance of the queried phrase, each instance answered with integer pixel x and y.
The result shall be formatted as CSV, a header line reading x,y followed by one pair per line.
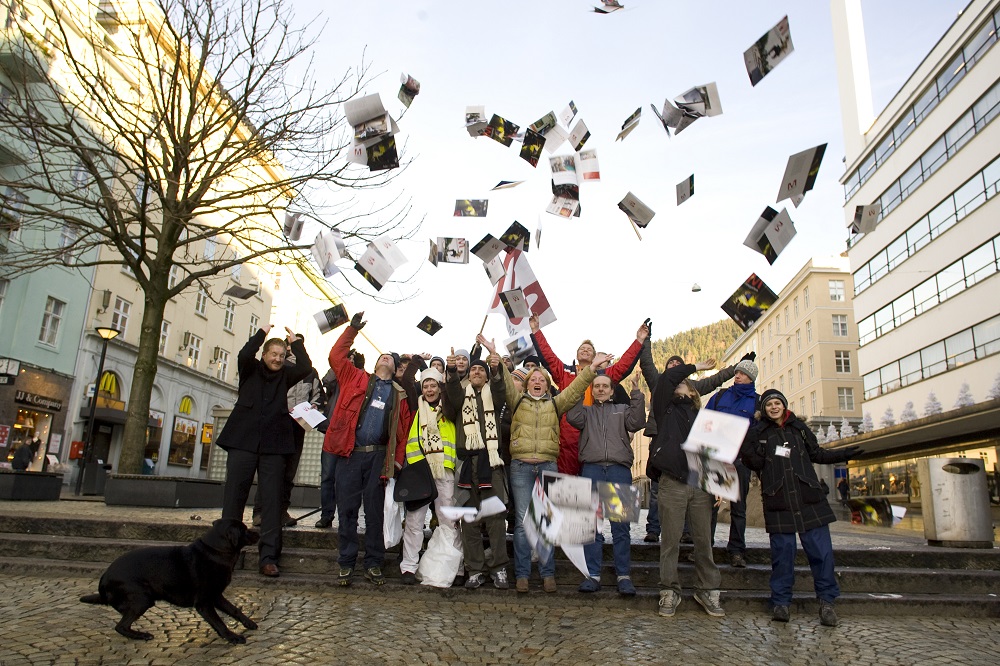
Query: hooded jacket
x,y
606,429
738,400
673,415
794,501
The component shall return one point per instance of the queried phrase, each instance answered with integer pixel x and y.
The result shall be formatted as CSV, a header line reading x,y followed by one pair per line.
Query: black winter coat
x,y
259,422
794,501
674,416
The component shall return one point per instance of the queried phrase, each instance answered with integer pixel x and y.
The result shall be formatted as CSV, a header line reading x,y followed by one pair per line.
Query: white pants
x,y
413,530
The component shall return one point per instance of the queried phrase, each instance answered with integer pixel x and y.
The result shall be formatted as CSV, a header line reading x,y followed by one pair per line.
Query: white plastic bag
x,y
392,523
439,565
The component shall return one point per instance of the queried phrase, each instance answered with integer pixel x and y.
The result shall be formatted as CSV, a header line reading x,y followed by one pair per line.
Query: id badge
x,y
378,404
783,450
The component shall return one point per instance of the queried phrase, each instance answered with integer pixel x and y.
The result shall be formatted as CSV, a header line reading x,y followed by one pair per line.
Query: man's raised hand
x,y
357,321
705,365
533,322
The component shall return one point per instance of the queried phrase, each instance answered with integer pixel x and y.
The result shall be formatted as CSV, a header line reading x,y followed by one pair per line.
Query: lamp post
x,y
107,334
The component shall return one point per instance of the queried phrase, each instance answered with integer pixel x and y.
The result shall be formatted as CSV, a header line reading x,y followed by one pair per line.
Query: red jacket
x,y
354,384
569,437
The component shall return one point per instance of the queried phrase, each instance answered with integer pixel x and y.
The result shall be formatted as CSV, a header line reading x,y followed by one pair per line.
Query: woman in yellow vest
x,y
432,436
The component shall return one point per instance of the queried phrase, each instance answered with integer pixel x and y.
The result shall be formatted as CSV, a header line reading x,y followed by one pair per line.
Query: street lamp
x,y
107,334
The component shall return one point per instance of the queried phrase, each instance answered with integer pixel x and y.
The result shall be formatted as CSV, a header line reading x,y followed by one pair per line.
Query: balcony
x,y
24,56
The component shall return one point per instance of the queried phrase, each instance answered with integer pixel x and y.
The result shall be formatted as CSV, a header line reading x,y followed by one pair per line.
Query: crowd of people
x,y
475,429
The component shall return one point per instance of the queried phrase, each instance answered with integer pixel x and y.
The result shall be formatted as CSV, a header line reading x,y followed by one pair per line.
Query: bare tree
x,y
172,124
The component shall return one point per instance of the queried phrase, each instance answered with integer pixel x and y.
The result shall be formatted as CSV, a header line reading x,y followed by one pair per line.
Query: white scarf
x,y
470,424
430,437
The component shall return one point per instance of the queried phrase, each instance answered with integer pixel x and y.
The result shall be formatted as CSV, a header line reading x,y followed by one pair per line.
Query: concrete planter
x,y
162,491
30,486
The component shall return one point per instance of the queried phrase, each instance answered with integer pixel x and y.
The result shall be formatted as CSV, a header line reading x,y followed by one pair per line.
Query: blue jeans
x,y
522,482
819,551
328,485
738,513
621,535
358,481
653,517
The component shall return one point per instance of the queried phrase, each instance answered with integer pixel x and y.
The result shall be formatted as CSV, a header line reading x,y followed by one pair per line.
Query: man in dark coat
x,y
258,435
783,450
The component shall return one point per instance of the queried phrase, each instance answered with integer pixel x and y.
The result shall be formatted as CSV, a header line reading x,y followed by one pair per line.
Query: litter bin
x,y
955,502
95,477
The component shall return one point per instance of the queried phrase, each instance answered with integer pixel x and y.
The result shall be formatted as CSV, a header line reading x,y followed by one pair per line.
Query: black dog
x,y
193,575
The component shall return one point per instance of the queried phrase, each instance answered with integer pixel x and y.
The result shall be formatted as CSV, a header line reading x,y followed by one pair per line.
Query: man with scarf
x,y
258,435
368,431
475,409
740,399
432,437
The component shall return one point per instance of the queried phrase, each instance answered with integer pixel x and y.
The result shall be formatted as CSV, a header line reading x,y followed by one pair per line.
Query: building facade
x,y
926,291
807,345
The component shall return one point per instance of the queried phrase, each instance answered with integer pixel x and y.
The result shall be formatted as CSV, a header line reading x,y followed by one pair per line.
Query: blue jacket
x,y
738,399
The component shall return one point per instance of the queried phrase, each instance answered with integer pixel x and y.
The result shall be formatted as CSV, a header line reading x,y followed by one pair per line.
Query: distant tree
x,y
867,425
697,344
908,413
831,433
995,390
933,405
820,435
964,396
888,419
846,430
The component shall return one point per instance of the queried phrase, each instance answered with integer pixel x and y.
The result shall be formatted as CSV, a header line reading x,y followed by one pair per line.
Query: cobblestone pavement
x,y
44,623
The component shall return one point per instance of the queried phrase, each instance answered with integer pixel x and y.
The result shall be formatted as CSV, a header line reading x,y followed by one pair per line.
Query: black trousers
x,y
288,482
270,470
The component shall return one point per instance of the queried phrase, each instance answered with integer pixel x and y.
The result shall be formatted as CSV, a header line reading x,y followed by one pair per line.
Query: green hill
x,y
697,344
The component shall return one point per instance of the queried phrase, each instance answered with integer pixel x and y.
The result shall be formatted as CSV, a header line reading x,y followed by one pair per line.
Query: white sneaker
x,y
709,600
669,601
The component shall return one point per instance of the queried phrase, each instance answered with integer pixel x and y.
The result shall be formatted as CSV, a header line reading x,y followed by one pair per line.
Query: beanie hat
x,y
748,368
674,358
436,358
462,352
773,393
432,373
520,374
479,362
533,359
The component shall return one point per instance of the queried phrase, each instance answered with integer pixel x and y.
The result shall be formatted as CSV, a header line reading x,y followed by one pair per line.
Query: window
x,y
932,358
805,297
788,349
779,354
812,402
228,316
174,277
809,331
67,238
781,383
254,325
770,332
960,349
237,270
786,318
164,336
51,319
986,334
12,207
119,318
774,368
200,301
193,351
798,339
790,384
951,74
795,306
840,326
845,399
812,368
842,361
802,378
777,325
4,283
802,406
182,441
909,369
222,365
836,290
209,249
763,366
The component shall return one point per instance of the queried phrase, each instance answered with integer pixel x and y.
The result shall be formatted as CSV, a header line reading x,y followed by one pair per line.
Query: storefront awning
x,y
105,415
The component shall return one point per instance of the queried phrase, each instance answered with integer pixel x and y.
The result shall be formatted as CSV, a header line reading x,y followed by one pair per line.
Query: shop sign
x,y
206,433
36,400
4,434
6,380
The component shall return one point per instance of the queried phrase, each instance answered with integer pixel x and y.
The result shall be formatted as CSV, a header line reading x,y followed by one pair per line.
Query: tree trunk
x,y
134,440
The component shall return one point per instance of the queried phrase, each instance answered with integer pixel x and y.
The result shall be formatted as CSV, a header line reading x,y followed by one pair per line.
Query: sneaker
x,y
651,538
709,600
737,561
345,576
474,581
522,585
288,521
828,616
408,578
549,584
669,601
500,579
625,586
374,576
324,523
780,614
589,584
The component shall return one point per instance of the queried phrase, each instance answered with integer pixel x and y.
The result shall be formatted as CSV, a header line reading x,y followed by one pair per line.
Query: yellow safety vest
x,y
414,446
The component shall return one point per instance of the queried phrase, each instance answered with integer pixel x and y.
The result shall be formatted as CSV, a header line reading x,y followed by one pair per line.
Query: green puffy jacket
x,y
534,427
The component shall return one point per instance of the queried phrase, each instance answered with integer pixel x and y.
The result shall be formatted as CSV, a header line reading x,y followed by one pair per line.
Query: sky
x,y
523,60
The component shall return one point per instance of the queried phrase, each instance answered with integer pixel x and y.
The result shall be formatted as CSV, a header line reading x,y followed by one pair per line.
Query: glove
x,y
649,327
850,453
356,322
752,356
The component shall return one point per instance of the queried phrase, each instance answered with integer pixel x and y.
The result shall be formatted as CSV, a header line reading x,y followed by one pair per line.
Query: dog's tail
x,y
93,599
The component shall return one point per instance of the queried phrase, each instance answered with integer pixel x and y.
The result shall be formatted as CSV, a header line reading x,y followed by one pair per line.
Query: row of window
x,y
974,267
839,322
971,53
948,144
972,344
982,187
841,361
837,294
845,399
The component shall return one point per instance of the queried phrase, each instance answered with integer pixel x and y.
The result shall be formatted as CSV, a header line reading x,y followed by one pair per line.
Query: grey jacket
x,y
308,390
651,375
606,429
